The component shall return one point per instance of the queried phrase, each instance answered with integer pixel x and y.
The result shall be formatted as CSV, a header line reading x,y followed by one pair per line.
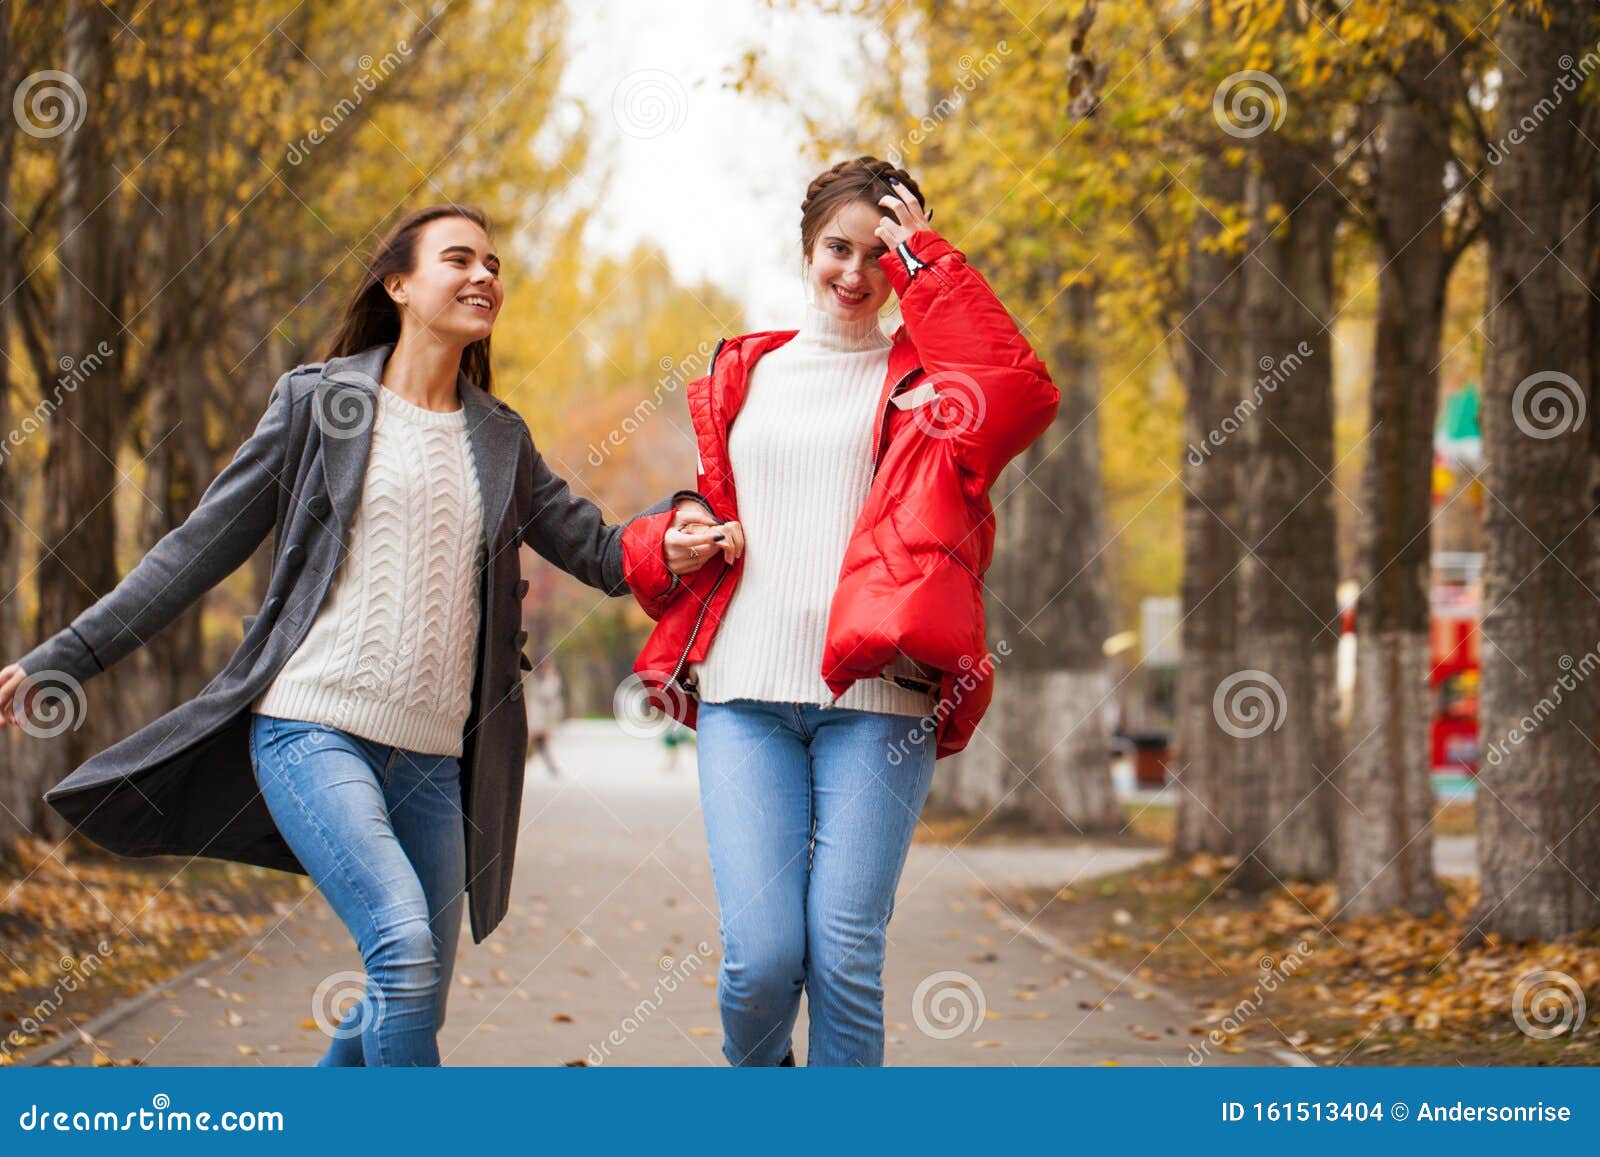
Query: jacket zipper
x,y
695,630
677,669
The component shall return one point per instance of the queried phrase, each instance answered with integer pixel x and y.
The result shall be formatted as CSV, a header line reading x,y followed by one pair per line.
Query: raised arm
x,y
233,517
969,344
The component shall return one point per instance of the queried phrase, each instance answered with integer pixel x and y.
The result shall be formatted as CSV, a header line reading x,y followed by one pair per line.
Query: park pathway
x,y
609,952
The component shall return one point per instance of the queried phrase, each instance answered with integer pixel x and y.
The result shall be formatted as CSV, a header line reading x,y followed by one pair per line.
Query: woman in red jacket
x,y
838,645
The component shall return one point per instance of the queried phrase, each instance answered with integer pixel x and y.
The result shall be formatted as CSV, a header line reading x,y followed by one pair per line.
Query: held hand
x,y
695,537
12,709
908,216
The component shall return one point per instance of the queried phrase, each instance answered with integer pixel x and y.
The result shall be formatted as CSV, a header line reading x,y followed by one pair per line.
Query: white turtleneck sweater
x,y
800,450
389,656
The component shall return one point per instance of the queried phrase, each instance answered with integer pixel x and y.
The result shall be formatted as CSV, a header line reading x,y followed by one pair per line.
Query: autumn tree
x,y
1421,213
1538,805
203,211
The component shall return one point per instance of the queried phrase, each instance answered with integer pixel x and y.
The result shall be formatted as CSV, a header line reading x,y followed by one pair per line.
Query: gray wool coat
x,y
183,784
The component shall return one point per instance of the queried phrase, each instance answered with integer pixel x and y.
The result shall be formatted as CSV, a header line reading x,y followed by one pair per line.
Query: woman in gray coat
x,y
367,731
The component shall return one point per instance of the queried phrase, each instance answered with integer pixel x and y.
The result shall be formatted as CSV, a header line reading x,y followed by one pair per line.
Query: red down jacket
x,y
964,394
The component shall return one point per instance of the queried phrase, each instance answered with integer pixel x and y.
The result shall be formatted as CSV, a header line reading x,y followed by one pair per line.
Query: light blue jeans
x,y
809,813
380,831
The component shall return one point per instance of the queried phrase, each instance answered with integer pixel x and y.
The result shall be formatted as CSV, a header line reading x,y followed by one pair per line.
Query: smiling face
x,y
454,290
846,281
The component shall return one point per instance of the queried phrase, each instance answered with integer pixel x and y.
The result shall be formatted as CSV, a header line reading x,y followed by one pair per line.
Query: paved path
x,y
609,952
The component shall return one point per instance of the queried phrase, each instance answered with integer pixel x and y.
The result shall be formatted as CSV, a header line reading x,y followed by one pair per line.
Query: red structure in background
x,y
1454,676
1453,672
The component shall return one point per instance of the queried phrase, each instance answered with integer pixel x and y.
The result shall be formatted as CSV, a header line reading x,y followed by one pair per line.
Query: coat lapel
x,y
345,410
495,431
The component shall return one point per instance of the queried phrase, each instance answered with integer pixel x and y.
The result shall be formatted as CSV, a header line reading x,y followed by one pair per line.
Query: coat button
x,y
294,555
320,506
519,638
272,605
522,588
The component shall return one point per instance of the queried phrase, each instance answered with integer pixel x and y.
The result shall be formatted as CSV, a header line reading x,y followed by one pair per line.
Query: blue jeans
x,y
380,831
809,813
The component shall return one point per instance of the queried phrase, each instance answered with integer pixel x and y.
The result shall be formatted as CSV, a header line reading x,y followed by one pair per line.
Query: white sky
x,y
713,176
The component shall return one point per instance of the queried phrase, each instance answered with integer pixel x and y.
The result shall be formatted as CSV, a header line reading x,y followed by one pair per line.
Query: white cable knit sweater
x,y
389,656
800,450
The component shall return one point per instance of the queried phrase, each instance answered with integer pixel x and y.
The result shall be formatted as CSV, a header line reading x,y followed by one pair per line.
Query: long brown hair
x,y
372,318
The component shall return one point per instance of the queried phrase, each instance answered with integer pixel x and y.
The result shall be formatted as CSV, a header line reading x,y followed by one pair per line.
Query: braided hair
x,y
864,179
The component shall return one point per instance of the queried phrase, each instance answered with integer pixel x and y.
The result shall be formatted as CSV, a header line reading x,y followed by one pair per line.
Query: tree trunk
x,y
10,641
1386,806
273,357
78,562
1211,361
1539,799
1282,702
1053,689
174,664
